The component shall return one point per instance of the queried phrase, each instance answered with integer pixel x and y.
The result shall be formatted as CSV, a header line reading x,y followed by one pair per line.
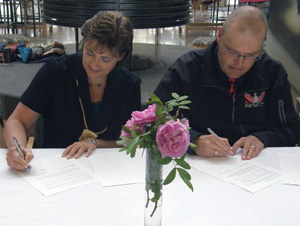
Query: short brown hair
x,y
111,29
248,18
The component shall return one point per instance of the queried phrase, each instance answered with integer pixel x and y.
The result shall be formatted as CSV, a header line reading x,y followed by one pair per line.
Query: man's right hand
x,y
15,161
212,146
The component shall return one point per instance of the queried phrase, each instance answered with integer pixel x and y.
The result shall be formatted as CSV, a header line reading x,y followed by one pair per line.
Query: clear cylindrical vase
x,y
153,193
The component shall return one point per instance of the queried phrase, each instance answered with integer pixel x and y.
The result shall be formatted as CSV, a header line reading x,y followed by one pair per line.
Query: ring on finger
x,y
216,153
252,146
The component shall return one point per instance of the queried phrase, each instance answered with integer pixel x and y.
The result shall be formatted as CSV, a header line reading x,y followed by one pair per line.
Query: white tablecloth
x,y
213,202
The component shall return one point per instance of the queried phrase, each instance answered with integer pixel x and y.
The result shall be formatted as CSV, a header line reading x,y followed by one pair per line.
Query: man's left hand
x,y
251,145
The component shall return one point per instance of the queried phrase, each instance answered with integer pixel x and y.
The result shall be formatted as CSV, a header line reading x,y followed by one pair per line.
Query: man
x,y
239,92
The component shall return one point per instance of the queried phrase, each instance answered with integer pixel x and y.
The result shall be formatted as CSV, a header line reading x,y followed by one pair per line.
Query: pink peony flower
x,y
173,138
141,118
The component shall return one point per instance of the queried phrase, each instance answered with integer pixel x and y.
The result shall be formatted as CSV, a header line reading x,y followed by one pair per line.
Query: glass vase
x,y
153,190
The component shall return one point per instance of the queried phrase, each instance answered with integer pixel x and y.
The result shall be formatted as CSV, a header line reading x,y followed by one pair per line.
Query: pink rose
x,y
185,122
173,139
141,118
130,124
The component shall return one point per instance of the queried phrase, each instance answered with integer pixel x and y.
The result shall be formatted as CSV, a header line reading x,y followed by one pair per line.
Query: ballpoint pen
x,y
212,132
20,151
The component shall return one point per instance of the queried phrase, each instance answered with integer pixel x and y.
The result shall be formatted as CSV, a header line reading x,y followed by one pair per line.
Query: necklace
x,y
84,116
98,85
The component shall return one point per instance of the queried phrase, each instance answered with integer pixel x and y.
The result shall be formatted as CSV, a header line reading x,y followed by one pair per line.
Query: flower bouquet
x,y
165,138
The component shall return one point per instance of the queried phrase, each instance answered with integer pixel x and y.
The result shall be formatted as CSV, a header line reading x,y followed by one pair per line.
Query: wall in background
x,y
283,41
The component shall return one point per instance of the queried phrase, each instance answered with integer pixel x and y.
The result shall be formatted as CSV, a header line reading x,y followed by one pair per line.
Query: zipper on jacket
x,y
281,112
232,115
242,129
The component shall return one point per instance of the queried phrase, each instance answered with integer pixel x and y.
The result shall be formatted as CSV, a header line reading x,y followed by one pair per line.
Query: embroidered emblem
x,y
257,100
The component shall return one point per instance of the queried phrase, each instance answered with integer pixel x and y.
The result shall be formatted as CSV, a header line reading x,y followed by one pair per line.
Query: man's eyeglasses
x,y
236,55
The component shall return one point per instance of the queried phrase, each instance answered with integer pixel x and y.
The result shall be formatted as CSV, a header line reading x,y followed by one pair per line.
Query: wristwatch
x,y
94,142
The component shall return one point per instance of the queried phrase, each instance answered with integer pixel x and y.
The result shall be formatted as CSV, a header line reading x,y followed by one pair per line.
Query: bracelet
x,y
94,142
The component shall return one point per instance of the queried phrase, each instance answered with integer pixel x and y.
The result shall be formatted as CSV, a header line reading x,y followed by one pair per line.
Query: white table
x,y
213,202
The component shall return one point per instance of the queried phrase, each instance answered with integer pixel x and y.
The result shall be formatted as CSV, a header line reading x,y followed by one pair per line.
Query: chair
x,y
211,6
31,16
201,4
22,14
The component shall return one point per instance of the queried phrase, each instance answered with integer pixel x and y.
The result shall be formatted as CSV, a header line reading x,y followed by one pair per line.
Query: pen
x,y
212,132
20,151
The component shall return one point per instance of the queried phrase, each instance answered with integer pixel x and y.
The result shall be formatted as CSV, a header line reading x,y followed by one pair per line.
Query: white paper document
x,y
290,167
54,174
115,168
245,174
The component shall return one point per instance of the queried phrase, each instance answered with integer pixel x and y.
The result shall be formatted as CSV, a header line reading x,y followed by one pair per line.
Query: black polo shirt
x,y
54,94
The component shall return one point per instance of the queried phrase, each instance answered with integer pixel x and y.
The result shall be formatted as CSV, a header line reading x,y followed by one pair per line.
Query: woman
x,y
84,98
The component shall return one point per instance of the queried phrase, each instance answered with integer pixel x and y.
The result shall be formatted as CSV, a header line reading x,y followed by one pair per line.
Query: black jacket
x,y
263,106
54,94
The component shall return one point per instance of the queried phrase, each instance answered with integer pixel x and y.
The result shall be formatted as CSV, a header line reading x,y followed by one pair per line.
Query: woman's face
x,y
97,61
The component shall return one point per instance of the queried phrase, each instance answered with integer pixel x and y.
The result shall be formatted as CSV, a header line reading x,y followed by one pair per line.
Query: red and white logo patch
x,y
254,100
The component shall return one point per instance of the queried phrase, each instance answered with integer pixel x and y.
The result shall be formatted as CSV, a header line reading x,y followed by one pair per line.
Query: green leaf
x,y
164,161
132,153
193,146
184,107
173,104
185,102
170,108
126,138
183,98
149,102
158,111
126,129
132,146
188,183
185,179
123,149
171,176
182,163
156,99
122,142
156,197
169,117
175,95
182,157
145,134
184,173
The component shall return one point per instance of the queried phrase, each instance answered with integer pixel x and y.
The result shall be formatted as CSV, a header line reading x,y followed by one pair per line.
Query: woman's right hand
x,y
15,161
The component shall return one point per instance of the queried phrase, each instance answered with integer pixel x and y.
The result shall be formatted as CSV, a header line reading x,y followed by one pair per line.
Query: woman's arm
x,y
18,125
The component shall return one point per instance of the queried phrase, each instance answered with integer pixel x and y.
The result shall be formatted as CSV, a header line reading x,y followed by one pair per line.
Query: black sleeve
x,y
286,131
135,100
170,83
178,79
39,93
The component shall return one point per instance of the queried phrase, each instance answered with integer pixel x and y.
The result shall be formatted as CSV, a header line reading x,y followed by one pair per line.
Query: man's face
x,y
238,52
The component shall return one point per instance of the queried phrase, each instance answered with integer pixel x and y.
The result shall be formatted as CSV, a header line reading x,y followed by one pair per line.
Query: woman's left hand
x,y
78,148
